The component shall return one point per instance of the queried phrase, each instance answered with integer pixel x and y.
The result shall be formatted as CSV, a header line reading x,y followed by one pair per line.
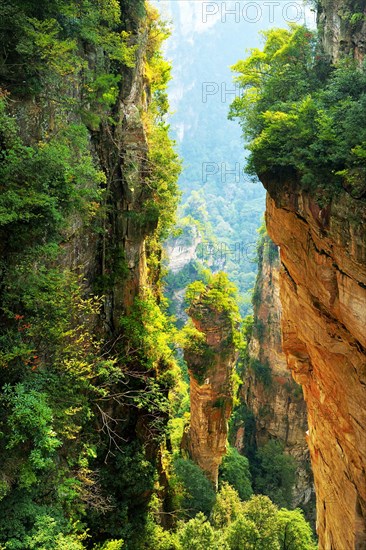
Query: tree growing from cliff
x,y
300,119
218,294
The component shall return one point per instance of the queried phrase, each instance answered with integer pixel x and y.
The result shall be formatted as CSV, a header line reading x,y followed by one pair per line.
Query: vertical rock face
x,y
120,150
210,388
342,25
323,295
275,401
183,249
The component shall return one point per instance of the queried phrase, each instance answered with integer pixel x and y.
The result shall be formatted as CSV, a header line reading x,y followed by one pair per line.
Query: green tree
x,y
234,470
278,73
227,507
275,473
300,119
294,533
263,513
198,492
197,534
243,534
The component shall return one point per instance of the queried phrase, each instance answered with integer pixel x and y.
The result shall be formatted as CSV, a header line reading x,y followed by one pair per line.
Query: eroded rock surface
x,y
323,295
210,389
342,26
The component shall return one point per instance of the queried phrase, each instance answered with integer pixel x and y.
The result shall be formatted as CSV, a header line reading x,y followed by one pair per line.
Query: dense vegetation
x,y
86,393
74,389
302,117
235,525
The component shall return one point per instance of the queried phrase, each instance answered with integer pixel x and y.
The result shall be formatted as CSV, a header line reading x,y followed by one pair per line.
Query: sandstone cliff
x,y
210,368
323,296
275,401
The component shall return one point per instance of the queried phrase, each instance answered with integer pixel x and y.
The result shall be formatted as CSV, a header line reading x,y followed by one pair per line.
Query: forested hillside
x,y
88,189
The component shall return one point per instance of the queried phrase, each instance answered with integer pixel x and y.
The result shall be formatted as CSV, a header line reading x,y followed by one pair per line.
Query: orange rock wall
x,y
212,398
323,295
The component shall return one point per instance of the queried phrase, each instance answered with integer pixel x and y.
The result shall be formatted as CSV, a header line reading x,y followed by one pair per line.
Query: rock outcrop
x,y
211,387
93,77
342,26
323,296
275,400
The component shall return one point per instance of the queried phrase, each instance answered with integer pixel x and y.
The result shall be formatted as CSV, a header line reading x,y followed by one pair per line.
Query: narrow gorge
x,y
150,398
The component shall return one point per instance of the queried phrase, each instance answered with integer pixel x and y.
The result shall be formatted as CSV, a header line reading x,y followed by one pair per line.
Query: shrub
x,y
235,471
197,534
227,508
198,494
263,513
300,119
274,473
294,533
242,533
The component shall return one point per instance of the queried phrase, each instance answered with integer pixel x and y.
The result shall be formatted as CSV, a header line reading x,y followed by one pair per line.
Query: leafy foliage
x,y
274,473
301,118
235,471
293,531
84,408
234,525
198,493
197,534
41,43
41,184
227,508
220,294
216,298
164,164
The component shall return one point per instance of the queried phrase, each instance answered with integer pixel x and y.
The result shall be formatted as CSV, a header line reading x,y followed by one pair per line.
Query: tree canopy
x,y
301,116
